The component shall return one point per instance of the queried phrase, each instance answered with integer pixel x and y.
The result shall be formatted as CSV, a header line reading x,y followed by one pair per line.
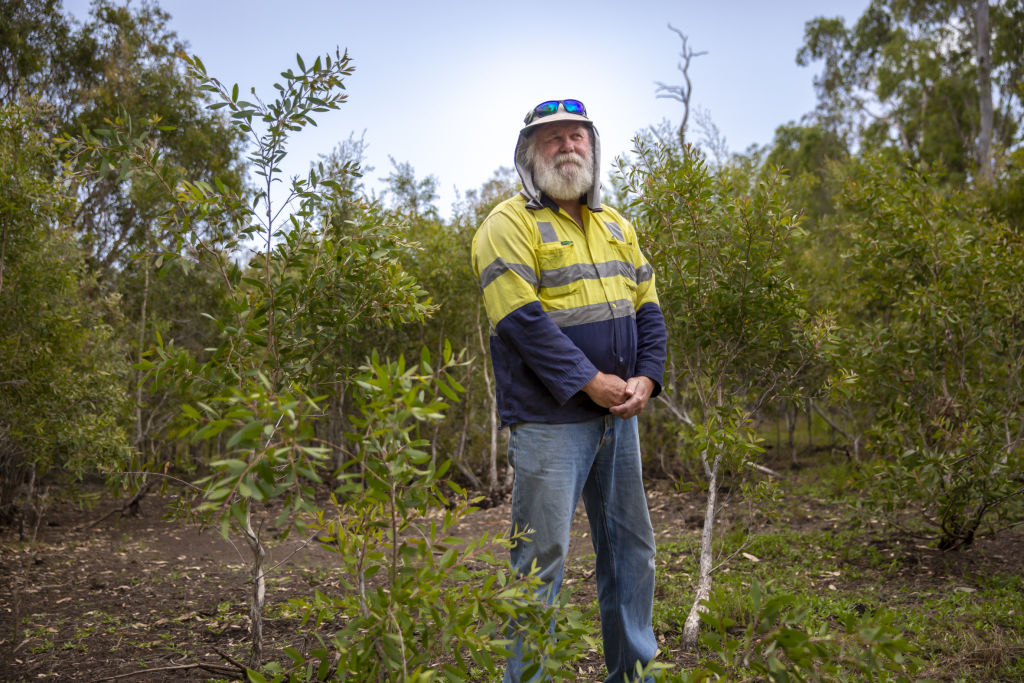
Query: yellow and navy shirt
x,y
564,303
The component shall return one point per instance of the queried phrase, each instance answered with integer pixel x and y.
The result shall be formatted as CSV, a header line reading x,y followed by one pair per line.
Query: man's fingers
x,y
627,409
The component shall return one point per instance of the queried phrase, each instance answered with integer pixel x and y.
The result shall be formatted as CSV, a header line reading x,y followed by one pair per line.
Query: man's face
x,y
563,166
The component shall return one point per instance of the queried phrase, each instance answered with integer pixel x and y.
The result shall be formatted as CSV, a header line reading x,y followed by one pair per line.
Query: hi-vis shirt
x,y
565,303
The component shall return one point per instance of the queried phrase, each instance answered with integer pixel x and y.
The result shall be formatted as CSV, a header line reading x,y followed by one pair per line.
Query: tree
x,y
476,207
916,75
63,372
310,284
806,152
930,311
411,197
121,65
681,93
738,334
35,46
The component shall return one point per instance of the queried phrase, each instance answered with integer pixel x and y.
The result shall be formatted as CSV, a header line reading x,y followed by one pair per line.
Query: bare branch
x,y
680,93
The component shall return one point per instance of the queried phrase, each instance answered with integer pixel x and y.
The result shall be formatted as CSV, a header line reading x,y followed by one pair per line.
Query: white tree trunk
x,y
691,630
259,591
493,405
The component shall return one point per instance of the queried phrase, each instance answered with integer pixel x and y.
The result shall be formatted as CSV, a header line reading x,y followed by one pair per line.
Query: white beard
x,y
565,177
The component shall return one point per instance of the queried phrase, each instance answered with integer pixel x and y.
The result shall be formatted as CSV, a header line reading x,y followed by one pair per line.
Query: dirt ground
x,y
149,598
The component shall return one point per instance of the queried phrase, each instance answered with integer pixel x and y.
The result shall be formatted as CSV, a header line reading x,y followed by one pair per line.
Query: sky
x,y
444,84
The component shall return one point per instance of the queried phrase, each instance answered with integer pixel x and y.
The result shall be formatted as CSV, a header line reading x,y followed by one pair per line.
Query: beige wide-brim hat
x,y
555,118
560,114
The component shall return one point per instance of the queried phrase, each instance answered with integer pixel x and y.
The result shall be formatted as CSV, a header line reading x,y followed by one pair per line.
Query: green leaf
x,y
249,431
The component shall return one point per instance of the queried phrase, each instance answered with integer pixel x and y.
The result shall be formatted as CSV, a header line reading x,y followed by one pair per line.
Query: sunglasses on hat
x,y
551,107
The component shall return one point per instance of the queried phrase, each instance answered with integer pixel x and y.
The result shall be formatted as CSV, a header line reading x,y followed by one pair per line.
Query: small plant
x,y
416,602
777,640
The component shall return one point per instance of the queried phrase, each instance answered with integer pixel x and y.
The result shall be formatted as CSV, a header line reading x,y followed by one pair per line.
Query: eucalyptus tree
x,y
738,332
120,63
938,80
929,297
64,407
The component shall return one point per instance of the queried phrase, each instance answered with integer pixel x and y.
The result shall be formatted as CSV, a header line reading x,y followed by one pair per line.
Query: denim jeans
x,y
600,459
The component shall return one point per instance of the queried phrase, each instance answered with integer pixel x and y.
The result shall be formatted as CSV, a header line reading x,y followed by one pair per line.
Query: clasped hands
x,y
624,398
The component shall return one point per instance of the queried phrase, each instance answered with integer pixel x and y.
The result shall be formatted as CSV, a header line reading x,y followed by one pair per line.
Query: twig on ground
x,y
241,667
766,470
219,670
143,490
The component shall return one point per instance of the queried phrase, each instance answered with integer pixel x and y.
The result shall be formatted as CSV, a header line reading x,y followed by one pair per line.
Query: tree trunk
x,y
259,590
791,415
492,402
460,452
3,254
810,427
691,630
140,432
984,53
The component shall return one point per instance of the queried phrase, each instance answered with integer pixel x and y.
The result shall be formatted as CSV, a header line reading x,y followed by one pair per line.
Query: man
x,y
578,348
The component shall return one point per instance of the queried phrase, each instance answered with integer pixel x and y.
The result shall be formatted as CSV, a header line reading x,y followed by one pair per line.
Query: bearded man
x,y
578,349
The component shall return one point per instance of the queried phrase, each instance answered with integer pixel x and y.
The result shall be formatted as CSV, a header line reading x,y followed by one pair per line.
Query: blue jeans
x,y
600,459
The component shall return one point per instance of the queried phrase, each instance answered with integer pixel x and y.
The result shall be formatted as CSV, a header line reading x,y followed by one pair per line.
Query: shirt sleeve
x,y
650,321
505,263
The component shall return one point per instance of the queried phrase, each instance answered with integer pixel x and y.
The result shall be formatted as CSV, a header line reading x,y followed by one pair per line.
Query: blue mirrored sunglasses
x,y
551,106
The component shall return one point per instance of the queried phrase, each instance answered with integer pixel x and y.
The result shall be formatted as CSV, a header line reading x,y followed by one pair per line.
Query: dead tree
x,y
680,93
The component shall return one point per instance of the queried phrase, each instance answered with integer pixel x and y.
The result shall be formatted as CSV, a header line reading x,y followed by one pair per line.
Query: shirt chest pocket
x,y
622,265
560,272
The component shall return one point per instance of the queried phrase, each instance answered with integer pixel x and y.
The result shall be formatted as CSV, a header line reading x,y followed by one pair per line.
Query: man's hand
x,y
638,390
606,390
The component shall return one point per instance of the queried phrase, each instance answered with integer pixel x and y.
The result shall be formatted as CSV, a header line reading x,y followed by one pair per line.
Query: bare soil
x,y
150,598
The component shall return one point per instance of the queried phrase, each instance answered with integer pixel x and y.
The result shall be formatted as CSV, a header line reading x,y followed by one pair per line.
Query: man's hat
x,y
552,111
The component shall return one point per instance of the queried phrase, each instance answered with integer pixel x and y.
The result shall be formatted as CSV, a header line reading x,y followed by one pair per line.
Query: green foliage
x,y
63,405
322,281
33,42
776,639
959,615
805,153
933,289
442,267
417,603
904,77
313,284
738,334
118,69
410,197
120,63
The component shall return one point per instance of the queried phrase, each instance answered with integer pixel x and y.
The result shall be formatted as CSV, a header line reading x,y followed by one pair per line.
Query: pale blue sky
x,y
444,85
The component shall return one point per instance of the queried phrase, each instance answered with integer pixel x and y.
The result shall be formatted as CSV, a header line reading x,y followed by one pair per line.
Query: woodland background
x,y
850,295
